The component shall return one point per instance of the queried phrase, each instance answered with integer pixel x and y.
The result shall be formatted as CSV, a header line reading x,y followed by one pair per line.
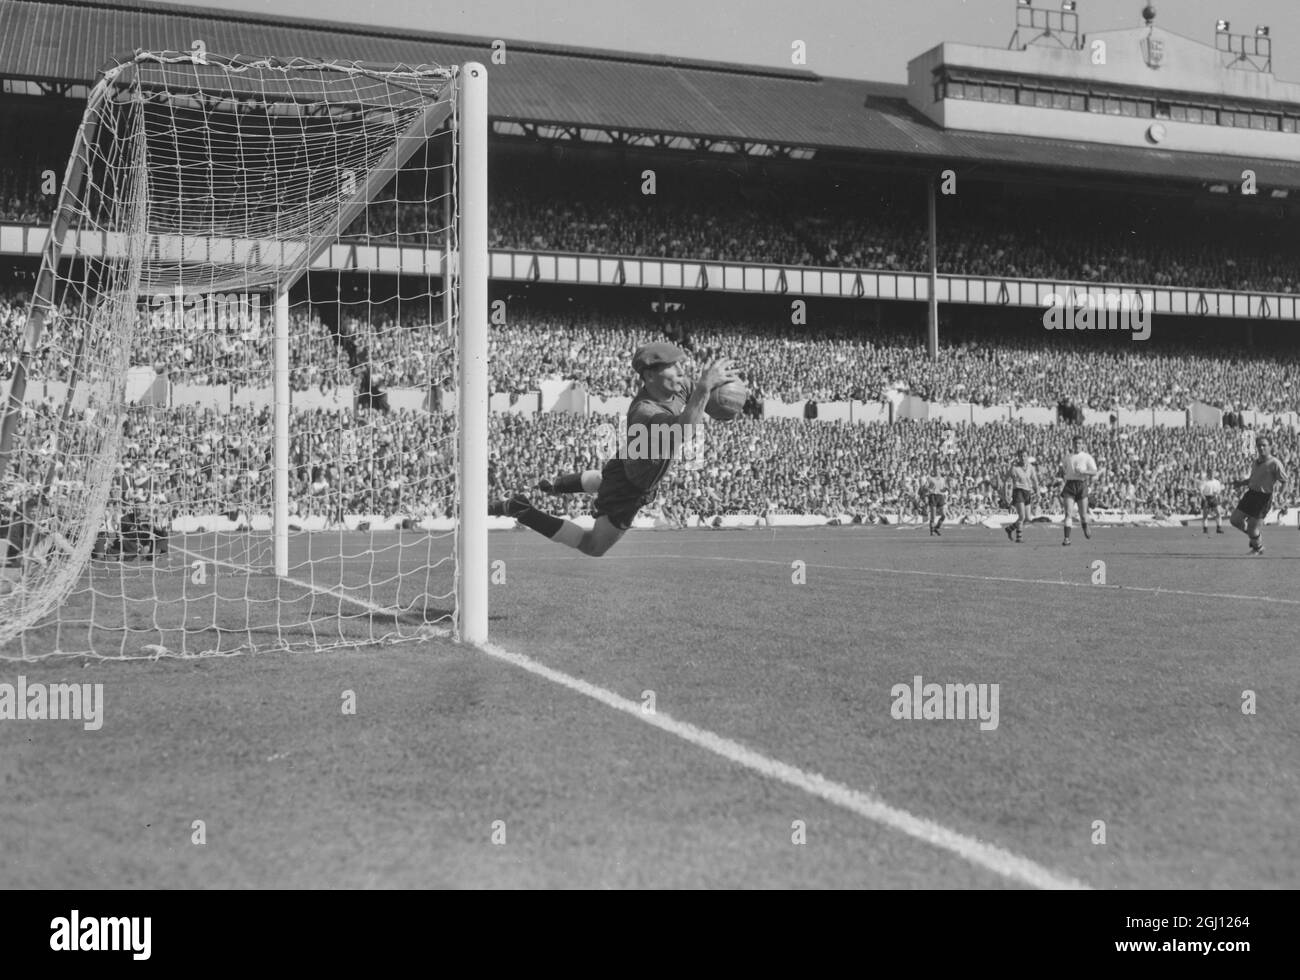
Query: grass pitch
x,y
1120,710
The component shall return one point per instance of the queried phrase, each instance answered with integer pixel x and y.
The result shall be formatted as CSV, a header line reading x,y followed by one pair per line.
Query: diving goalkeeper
x,y
667,402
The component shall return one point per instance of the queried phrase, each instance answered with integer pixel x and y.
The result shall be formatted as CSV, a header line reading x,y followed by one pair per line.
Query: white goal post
x,y
200,186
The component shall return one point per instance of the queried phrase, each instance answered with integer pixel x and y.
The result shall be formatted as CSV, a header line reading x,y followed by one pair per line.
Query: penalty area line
x,y
1154,590
990,857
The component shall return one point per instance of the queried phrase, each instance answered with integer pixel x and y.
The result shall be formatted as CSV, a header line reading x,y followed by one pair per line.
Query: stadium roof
x,y
68,41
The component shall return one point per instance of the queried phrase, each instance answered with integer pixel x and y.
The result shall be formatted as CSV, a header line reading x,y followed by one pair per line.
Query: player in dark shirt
x,y
1022,486
1266,477
662,417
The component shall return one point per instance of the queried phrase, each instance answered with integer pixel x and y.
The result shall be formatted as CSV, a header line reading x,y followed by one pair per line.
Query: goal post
x,y
280,455
472,563
251,230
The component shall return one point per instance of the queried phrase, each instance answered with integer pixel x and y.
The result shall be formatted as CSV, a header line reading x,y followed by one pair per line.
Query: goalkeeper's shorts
x,y
619,498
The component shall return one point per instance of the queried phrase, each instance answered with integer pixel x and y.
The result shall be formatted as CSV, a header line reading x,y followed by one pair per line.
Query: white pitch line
x,y
987,856
1156,590
1026,581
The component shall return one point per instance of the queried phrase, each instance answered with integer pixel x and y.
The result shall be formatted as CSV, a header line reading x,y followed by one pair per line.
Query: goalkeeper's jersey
x,y
646,464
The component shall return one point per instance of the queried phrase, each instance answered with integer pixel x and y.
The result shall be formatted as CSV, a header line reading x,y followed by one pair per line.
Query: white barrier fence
x,y
145,386
365,523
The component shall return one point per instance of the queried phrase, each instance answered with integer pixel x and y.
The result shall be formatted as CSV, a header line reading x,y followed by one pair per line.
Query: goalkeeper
x,y
624,486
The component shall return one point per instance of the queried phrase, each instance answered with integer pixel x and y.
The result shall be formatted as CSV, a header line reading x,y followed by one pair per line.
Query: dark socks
x,y
540,521
567,483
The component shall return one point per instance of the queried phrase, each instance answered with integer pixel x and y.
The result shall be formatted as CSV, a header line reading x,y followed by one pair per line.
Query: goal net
x,y
250,411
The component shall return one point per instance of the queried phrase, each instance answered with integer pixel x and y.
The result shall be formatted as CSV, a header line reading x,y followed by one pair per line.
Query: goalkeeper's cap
x,y
656,355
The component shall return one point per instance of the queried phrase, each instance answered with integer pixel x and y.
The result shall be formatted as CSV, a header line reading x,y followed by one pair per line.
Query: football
x,y
726,401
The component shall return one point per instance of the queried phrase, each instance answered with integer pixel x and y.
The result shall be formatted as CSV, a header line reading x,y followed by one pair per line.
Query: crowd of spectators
x,y
700,216
881,224
21,200
869,223
196,461
873,472
849,362
821,362
189,460
329,344
703,210
33,160
192,462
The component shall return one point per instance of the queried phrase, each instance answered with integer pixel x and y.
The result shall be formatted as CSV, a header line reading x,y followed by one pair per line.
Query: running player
x,y
1022,486
1211,502
667,402
935,490
1078,468
1266,476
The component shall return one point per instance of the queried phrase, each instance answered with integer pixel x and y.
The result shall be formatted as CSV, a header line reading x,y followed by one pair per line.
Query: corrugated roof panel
x,y
154,9
43,39
602,94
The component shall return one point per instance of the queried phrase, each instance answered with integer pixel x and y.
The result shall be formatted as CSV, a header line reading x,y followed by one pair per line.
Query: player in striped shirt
x,y
1211,502
1022,486
1078,468
1266,476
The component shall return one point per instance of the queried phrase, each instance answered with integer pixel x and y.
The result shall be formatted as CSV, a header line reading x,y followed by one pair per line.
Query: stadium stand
x,y
219,464
835,362
810,218
784,195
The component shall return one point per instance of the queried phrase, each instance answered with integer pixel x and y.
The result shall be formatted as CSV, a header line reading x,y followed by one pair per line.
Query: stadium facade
x,y
1055,115
1138,88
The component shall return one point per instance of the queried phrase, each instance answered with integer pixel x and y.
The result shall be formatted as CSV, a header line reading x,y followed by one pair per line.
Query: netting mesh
x,y
138,497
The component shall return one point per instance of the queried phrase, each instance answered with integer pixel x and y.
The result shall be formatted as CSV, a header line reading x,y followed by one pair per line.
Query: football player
x,y
935,490
625,485
1266,477
1022,487
1211,503
1078,468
